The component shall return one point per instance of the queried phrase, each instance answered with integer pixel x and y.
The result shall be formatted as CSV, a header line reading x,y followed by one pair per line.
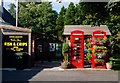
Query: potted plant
x,y
65,64
65,52
109,64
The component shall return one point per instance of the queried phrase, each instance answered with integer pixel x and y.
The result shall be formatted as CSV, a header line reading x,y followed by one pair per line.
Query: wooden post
x,y
29,48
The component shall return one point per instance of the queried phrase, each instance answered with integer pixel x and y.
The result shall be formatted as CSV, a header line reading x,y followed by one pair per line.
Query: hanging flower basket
x,y
100,55
99,61
100,51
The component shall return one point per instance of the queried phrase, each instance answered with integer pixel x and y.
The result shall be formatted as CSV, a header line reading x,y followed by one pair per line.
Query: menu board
x,y
16,43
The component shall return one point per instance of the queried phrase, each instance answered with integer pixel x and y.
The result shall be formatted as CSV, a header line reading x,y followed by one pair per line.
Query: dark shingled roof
x,y
7,17
87,29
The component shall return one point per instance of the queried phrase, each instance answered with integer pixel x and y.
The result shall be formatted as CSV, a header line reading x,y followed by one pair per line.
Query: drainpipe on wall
x,y
0,55
16,13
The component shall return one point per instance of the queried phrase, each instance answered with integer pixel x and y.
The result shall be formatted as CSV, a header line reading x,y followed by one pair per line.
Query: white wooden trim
x,y
99,34
77,34
15,33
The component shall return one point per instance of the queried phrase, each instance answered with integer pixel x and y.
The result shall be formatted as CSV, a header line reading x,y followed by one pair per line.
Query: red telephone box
x,y
98,58
77,49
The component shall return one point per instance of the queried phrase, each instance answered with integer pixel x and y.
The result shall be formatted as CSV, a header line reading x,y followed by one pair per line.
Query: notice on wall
x,y
16,43
51,47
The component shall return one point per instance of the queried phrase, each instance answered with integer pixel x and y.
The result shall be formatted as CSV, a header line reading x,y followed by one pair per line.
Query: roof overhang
x,y
87,29
10,27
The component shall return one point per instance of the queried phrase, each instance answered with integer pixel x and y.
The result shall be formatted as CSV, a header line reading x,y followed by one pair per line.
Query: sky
x,y
55,5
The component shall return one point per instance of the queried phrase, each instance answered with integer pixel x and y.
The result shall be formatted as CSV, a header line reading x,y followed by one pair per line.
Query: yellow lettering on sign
x,y
14,44
11,36
22,44
15,36
19,49
15,47
7,43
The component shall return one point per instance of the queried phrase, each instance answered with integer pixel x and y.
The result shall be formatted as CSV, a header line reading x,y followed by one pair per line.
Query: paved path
x,y
84,75
57,74
39,74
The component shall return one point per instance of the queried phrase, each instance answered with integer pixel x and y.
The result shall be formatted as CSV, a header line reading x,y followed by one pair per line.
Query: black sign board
x,y
13,47
15,43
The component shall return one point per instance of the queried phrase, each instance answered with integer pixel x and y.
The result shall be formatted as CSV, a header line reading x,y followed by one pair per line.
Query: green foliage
x,y
65,47
88,45
65,50
116,48
99,60
60,18
114,26
60,22
89,56
39,17
93,13
78,15
114,7
70,15
115,63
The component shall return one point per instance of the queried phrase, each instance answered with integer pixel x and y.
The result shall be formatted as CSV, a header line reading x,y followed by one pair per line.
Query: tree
x,y
114,7
60,22
70,15
78,14
39,17
11,10
93,13
114,14
114,26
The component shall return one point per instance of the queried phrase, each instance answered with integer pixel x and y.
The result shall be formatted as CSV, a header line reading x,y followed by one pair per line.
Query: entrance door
x,y
77,49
